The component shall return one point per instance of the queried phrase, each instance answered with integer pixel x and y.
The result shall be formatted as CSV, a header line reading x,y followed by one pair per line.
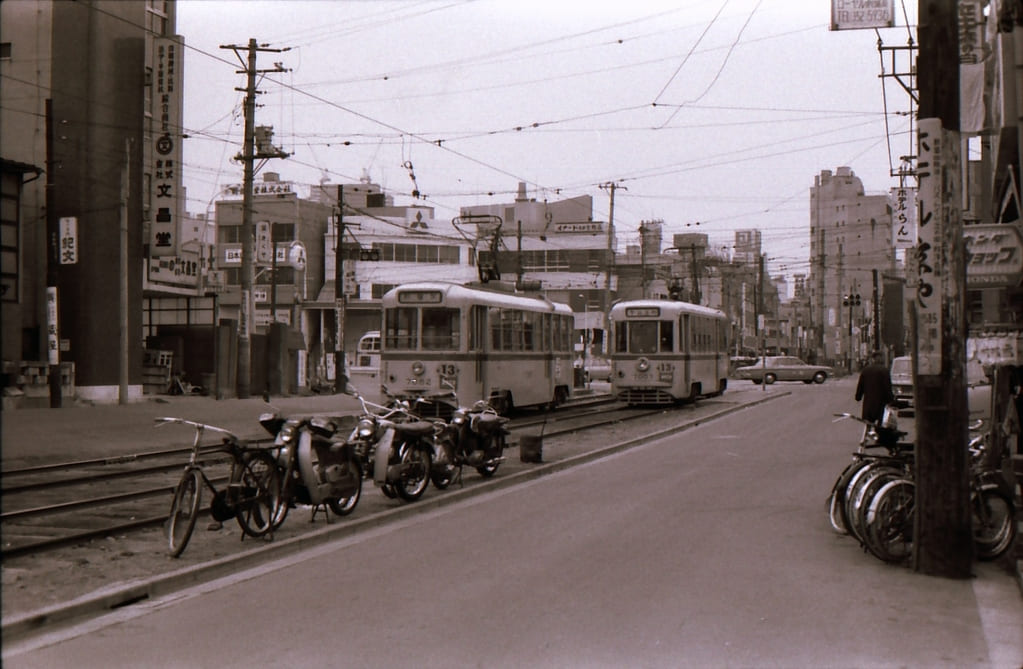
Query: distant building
x,y
850,237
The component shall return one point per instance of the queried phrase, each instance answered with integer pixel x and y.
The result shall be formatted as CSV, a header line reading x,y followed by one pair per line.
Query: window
x,y
380,289
9,242
507,329
441,329
229,234
401,328
644,337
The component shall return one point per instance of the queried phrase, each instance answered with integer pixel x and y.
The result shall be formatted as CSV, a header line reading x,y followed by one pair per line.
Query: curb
x,y
125,594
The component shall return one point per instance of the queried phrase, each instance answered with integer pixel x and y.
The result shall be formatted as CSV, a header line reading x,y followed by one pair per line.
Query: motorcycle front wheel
x,y
259,495
415,476
994,524
345,505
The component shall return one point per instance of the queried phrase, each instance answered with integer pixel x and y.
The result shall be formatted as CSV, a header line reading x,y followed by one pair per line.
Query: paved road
x,y
705,548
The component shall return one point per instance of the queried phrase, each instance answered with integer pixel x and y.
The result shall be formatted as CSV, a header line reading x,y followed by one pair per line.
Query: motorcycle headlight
x,y
366,428
288,432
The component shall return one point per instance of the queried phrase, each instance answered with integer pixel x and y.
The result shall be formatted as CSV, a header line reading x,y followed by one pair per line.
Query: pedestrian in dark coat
x,y
874,388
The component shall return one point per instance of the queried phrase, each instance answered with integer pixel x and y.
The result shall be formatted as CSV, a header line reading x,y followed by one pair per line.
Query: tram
x,y
667,351
511,349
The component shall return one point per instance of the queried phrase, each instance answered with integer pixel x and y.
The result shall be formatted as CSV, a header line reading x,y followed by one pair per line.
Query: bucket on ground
x,y
531,448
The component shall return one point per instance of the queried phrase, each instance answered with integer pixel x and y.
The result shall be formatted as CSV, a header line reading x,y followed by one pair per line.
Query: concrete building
x,y
850,238
91,97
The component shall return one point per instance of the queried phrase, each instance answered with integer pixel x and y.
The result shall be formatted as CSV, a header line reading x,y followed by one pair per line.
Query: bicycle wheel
x,y
874,477
184,511
836,501
890,521
994,524
258,494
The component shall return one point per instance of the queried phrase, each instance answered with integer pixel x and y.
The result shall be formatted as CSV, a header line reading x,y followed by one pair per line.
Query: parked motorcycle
x,y
395,447
475,436
993,511
318,467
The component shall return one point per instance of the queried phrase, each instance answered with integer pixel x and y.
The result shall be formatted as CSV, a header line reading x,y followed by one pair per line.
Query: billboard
x,y
862,14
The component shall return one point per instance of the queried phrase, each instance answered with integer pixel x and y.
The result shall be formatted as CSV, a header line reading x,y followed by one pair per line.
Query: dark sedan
x,y
783,368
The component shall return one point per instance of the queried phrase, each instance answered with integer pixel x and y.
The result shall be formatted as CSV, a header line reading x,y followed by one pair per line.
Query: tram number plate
x,y
643,376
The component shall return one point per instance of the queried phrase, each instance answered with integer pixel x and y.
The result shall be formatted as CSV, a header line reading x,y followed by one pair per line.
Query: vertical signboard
x,y
52,327
68,240
165,198
937,169
903,202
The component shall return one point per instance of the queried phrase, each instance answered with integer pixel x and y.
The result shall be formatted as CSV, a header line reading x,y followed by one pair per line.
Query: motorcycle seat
x,y
417,428
488,422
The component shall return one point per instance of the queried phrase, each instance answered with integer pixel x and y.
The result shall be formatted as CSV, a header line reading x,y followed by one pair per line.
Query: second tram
x,y
666,351
511,349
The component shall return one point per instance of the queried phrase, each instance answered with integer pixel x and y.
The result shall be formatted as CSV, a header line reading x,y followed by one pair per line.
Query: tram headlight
x,y
642,364
418,368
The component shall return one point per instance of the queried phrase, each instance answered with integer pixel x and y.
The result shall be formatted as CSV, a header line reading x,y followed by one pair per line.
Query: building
x,y
850,239
92,97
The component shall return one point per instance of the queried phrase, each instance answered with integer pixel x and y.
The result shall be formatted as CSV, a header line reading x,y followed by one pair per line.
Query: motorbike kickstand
x,y
322,506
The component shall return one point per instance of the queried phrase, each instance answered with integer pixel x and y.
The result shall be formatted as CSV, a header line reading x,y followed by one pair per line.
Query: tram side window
x,y
401,328
506,329
667,337
478,328
567,327
441,329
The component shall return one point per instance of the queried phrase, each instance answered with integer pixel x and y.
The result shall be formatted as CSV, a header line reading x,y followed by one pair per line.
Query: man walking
x,y
874,388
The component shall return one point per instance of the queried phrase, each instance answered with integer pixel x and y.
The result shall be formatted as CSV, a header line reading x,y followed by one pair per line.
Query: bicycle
x,y
251,496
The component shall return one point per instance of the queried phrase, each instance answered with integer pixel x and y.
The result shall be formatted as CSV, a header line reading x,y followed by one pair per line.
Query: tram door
x,y
685,355
478,346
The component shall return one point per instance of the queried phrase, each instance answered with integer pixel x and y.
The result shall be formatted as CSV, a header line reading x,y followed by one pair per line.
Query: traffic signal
x,y
675,291
851,300
371,255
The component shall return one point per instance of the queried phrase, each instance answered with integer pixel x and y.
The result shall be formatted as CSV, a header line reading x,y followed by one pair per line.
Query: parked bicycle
x,y
251,495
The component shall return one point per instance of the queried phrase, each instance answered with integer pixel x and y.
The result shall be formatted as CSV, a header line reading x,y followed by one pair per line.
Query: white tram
x,y
509,348
666,351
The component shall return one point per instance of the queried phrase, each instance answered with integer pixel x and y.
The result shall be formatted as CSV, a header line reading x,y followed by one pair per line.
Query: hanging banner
x,y
972,56
68,240
165,196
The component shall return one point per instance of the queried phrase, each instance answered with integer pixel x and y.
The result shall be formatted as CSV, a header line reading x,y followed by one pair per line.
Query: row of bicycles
x,y
321,461
873,499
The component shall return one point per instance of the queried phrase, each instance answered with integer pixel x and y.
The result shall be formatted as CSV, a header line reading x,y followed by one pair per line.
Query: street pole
x,y
52,269
248,157
942,537
123,346
611,187
340,376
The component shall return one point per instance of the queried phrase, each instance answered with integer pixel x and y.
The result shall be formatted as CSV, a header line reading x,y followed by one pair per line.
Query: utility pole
x,y
123,362
642,257
340,299
876,316
609,261
52,268
248,157
942,538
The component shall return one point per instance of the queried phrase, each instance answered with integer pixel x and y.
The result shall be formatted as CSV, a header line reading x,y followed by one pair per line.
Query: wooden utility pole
x,y
942,540
123,330
248,157
340,299
609,261
52,268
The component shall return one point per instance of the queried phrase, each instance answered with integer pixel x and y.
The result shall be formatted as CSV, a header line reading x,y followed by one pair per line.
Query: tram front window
x,y
644,337
440,329
402,329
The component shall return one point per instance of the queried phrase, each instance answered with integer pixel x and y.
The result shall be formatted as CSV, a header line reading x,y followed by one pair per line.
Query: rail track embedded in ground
x,y
64,504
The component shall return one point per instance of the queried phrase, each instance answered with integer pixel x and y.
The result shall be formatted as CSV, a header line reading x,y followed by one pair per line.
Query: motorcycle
x,y
395,447
993,511
318,467
474,436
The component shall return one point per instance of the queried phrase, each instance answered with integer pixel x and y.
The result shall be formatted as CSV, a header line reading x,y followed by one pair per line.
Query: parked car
x,y
902,380
783,368
978,385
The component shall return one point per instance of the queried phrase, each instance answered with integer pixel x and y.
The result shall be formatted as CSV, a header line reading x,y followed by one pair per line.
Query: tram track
x,y
58,505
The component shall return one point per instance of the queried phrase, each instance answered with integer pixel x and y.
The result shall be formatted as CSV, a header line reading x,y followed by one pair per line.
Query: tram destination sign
x,y
642,312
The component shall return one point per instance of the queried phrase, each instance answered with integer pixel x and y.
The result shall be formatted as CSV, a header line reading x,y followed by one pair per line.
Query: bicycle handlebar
x,y
200,427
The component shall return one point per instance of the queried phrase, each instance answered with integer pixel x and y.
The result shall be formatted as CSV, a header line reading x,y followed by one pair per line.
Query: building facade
x,y
82,101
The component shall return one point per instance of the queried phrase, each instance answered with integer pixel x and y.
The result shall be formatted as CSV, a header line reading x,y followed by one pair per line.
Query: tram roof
x,y
666,306
478,295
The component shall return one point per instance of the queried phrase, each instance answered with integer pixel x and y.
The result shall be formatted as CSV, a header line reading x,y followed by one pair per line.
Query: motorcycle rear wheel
x,y
416,478
442,476
184,512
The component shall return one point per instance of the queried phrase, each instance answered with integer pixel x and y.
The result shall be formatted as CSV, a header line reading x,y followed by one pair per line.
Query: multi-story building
x,y
92,98
850,238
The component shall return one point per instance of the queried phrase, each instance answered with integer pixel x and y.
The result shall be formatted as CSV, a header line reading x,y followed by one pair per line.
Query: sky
x,y
711,115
